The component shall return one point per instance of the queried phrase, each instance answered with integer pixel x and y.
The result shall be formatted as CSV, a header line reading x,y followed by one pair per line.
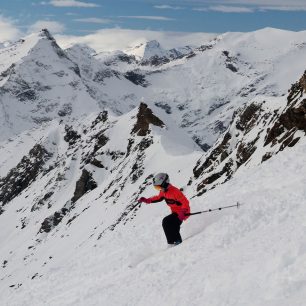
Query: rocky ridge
x,y
258,131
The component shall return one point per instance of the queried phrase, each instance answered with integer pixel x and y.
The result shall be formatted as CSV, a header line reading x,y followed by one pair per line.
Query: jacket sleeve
x,y
157,198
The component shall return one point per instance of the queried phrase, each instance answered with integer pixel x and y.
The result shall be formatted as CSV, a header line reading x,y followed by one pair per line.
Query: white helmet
x,y
161,179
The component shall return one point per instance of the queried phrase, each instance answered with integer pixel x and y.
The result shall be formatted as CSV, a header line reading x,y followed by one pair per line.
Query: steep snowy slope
x,y
246,257
93,169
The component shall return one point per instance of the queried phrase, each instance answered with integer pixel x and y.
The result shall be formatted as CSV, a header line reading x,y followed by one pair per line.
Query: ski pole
x,y
214,209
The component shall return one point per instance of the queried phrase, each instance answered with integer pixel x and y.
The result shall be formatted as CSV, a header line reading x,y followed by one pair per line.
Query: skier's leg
x,y
176,229
168,228
171,225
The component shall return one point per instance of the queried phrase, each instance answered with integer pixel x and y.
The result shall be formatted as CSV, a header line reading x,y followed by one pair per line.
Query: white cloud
x,y
93,20
120,39
53,26
254,2
160,18
201,9
230,9
247,6
71,3
168,7
9,30
283,8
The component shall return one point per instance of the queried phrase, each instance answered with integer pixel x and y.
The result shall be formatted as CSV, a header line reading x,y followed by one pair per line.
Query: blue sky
x,y
78,17
82,17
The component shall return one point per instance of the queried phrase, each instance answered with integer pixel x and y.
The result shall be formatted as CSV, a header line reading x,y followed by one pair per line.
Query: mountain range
x,y
82,135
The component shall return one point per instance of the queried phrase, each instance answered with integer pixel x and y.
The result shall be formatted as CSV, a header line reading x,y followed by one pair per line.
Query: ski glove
x,y
144,200
182,214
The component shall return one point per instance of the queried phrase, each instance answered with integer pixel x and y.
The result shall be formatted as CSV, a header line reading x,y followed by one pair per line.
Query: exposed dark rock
x,y
7,72
66,110
71,135
52,221
145,117
155,61
102,117
248,118
84,184
219,127
144,144
204,48
227,169
20,177
101,141
297,89
126,58
42,201
137,78
129,146
217,105
204,146
220,150
100,76
97,163
229,62
293,117
231,67
266,156
166,107
245,151
137,169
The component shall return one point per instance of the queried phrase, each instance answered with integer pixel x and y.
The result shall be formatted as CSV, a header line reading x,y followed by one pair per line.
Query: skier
x,y
177,202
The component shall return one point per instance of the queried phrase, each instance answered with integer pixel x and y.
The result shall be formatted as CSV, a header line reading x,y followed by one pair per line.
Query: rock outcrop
x,y
256,133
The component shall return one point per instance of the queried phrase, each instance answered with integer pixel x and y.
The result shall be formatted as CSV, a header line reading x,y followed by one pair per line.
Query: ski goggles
x,y
158,187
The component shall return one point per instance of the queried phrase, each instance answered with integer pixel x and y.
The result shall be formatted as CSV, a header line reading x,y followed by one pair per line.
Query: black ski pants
x,y
171,226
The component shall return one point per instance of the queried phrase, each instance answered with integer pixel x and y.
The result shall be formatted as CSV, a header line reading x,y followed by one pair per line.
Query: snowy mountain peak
x,y
82,49
147,50
44,33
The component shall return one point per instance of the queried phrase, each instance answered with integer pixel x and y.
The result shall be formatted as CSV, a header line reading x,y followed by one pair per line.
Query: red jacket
x,y
174,198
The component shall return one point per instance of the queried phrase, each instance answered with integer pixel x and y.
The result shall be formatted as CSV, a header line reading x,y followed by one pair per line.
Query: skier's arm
x,y
153,199
157,198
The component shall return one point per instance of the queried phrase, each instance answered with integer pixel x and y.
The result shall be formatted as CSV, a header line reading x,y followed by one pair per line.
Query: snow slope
x,y
251,256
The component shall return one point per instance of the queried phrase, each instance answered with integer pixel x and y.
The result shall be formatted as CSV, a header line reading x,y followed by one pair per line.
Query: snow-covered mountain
x,y
78,149
39,83
151,53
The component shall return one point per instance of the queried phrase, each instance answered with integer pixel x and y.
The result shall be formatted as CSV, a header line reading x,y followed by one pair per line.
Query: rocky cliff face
x,y
257,132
